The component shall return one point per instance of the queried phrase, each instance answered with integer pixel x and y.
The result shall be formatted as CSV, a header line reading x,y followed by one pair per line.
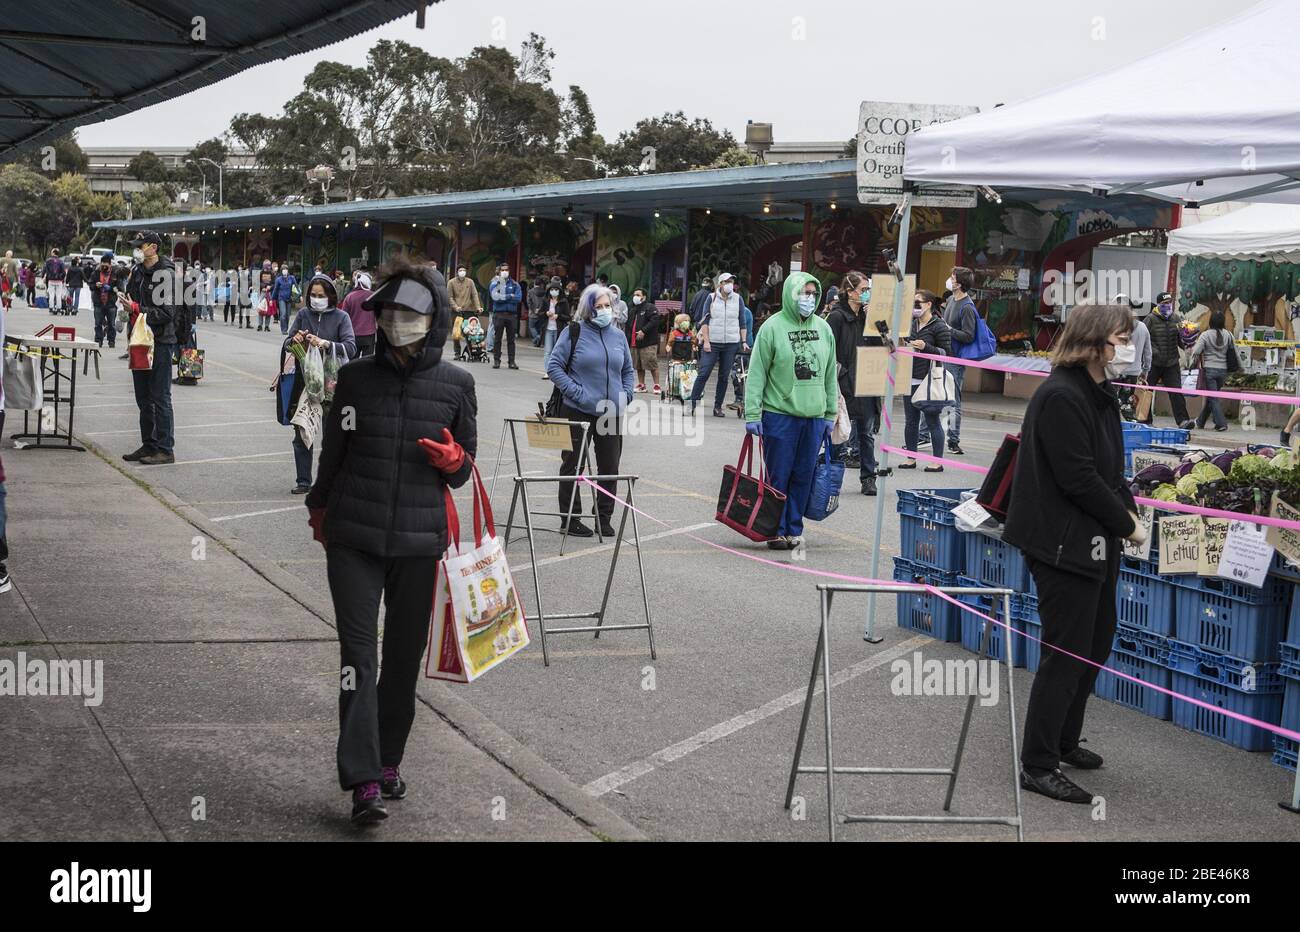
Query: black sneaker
x,y
869,487
956,450
5,584
497,364
718,412
1188,424
392,786
606,527
301,489
576,528
136,455
1285,438
367,806
1055,785
513,366
1082,758
778,543
158,458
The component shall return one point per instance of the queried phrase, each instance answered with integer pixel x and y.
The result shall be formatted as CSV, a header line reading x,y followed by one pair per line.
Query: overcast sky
x,y
802,65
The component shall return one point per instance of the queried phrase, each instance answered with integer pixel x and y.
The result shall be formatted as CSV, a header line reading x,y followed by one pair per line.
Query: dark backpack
x,y
557,399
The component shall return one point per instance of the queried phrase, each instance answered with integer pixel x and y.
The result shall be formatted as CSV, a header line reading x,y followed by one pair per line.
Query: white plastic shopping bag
x,y
309,420
22,381
478,621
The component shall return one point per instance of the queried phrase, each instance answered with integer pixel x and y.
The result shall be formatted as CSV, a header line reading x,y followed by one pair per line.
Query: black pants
x,y
365,345
609,450
507,326
153,396
1078,615
912,417
1172,377
105,323
375,715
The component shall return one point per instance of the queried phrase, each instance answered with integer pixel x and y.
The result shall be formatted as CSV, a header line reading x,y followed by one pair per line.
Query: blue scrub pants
x,y
790,448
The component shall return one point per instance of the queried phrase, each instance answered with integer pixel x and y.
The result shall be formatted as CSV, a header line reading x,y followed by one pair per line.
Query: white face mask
x,y
403,327
503,275
460,273
319,304
950,285
1125,355
637,299
727,288
137,254
555,292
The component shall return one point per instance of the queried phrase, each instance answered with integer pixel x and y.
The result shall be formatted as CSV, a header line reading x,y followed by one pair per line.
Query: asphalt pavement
x,y
695,744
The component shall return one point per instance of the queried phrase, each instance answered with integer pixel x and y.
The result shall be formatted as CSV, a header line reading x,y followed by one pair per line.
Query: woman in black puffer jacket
x,y
400,431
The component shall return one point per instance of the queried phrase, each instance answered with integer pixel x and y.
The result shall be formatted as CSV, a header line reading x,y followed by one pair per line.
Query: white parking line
x,y
255,514
612,781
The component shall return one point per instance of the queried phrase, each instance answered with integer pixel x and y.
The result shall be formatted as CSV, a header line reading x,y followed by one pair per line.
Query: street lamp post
x,y
204,195
221,191
322,175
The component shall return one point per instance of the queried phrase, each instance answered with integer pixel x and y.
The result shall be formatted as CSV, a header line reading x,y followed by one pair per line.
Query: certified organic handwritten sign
x,y
871,375
882,304
549,436
1214,531
1144,458
1180,544
1141,551
1246,555
1285,540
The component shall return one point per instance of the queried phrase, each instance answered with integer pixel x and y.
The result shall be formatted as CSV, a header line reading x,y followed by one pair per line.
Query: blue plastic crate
x,y
1228,617
925,612
1284,570
1293,622
1143,599
1139,655
972,626
993,562
1137,436
1289,654
928,528
1284,752
1024,613
1291,703
1224,668
1265,706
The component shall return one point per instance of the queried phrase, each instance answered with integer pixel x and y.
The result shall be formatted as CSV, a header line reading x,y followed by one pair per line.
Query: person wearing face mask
x,y
790,399
152,289
324,325
506,297
1134,359
363,321
619,307
1211,350
594,379
536,301
722,336
377,507
848,321
962,318
465,302
1070,508
556,315
700,303
644,336
929,335
1163,325
282,294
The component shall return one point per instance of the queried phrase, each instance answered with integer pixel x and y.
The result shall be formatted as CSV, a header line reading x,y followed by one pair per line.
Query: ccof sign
x,y
883,128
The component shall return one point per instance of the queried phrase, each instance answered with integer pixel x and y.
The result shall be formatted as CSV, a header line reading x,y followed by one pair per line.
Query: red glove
x,y
447,456
316,518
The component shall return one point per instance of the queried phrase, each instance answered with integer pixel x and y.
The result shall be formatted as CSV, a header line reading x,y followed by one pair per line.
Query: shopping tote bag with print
x,y
478,621
746,503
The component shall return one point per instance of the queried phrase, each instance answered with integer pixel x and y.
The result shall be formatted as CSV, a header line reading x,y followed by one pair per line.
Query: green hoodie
x,y
792,370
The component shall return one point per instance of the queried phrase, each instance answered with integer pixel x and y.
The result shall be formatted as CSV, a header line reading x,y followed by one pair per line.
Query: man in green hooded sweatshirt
x,y
790,398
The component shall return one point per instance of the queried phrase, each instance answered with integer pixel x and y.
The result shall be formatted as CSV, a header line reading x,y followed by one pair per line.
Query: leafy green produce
x,y
1207,472
1245,468
1187,486
1281,461
1165,493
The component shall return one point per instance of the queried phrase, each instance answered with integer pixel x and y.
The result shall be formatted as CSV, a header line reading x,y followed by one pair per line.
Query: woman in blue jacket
x,y
282,294
595,379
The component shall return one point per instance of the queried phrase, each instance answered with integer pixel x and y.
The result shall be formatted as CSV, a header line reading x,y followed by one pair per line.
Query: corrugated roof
x,y
85,61
733,190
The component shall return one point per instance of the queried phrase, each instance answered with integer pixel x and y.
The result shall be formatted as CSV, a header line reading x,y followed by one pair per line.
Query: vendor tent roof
x,y
1259,231
1210,118
84,61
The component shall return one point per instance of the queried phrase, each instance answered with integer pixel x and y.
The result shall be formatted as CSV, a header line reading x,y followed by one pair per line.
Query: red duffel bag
x,y
747,503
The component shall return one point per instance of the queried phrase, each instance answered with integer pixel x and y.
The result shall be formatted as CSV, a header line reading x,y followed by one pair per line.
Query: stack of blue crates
x,y
931,553
1144,656
1284,749
972,626
1137,436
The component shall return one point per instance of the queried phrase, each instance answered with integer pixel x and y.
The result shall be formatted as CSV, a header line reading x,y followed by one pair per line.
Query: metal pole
x,y
826,704
869,635
1011,716
636,542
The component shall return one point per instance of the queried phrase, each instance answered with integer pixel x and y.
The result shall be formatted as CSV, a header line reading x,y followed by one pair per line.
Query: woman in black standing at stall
x,y
1070,508
929,335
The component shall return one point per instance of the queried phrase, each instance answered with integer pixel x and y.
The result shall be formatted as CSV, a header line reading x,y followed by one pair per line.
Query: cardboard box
x,y
1020,386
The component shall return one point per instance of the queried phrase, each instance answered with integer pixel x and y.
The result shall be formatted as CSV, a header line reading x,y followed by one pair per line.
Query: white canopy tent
x,y
1210,118
1258,231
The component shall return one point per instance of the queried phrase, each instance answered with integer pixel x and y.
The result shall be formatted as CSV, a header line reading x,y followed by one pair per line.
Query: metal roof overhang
x,y
782,188
84,61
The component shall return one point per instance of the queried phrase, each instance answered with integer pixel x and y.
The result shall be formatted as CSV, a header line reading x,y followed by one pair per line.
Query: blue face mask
x,y
604,317
807,304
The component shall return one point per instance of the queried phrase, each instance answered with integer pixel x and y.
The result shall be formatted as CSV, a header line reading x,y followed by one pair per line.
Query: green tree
x,y
27,214
676,144
154,201
735,157
149,168
66,157
81,207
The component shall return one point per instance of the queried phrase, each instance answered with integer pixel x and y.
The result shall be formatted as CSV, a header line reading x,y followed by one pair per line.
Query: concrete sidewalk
x,y
218,690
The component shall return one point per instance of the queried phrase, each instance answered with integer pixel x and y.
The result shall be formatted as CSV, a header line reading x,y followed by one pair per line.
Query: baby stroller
x,y
681,372
475,344
739,373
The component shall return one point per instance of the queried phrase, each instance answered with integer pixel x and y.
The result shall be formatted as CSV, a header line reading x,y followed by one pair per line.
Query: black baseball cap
x,y
1164,298
146,236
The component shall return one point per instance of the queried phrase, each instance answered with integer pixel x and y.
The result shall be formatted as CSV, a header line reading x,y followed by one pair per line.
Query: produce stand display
x,y
1219,640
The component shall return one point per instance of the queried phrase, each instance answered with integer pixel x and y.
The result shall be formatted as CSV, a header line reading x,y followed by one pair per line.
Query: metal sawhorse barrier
x,y
822,659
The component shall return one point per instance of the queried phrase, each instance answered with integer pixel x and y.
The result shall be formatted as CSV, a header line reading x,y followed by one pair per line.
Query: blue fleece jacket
x,y
505,298
601,370
282,288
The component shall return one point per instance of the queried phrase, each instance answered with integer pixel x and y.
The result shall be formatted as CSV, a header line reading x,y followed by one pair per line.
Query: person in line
x,y
596,386
1070,509
322,324
1135,369
962,318
536,317
12,272
74,278
152,289
848,321
263,299
282,294
377,507
1211,351
701,301
722,335
620,308
103,296
929,335
790,399
506,297
556,313
55,275
363,321
644,324
465,300
341,284
1163,325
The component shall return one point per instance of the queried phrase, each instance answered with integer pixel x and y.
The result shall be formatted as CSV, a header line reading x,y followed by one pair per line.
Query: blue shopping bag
x,y
828,478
